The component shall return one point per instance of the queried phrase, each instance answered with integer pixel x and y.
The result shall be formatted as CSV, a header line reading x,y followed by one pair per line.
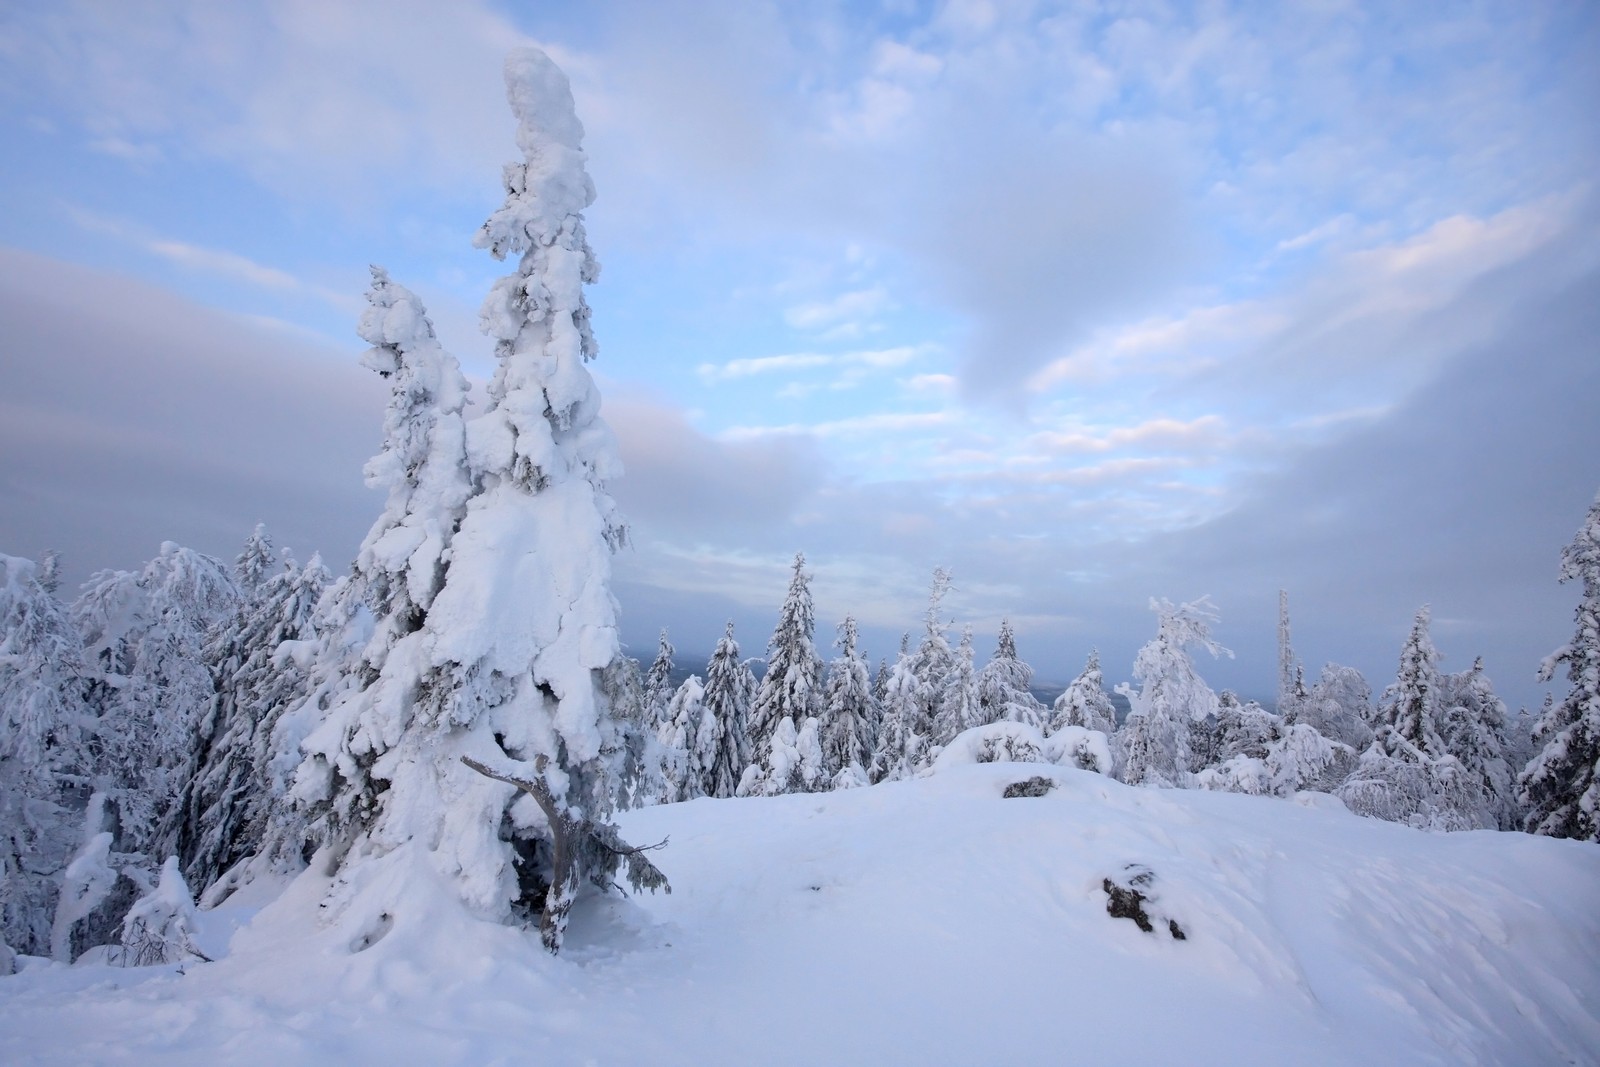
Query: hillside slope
x,y
930,921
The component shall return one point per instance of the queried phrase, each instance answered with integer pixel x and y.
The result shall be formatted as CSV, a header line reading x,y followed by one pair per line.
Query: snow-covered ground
x,y
927,921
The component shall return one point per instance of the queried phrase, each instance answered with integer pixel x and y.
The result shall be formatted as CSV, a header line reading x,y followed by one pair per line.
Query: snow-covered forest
x,y
446,748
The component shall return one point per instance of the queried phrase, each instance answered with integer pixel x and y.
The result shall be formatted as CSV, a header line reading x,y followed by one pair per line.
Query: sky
x,y
1087,303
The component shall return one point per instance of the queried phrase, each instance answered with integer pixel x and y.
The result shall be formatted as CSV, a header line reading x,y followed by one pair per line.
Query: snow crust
x,y
924,921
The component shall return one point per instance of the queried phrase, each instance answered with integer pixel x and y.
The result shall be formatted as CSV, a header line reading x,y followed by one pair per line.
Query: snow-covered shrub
x,y
1017,742
162,926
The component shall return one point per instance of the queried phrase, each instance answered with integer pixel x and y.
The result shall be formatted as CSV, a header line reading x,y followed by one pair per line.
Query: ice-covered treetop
x,y
543,424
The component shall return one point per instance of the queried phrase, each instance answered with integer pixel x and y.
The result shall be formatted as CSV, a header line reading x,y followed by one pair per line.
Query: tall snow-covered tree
x,y
482,744
43,762
792,686
256,562
236,790
399,570
1154,739
1003,684
730,691
1561,784
1084,702
849,719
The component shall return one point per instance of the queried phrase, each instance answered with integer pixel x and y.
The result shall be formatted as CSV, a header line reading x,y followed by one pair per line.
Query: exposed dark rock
x,y
1037,786
1126,899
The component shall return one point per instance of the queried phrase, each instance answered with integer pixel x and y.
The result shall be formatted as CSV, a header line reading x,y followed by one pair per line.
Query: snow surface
x,y
923,921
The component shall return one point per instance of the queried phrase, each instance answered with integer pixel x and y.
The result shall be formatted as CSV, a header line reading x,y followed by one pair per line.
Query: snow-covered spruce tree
x,y
481,746
256,562
1290,686
959,706
687,753
900,748
1084,702
1003,685
932,663
150,693
1154,739
658,684
43,762
1409,714
792,686
730,691
1560,786
1474,732
1407,775
850,718
398,571
239,782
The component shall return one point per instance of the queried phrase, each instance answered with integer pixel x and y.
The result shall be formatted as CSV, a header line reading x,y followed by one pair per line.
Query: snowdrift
x,y
927,921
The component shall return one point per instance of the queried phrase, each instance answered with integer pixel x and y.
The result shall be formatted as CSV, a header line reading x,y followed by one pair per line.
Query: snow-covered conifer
x,y
482,744
960,705
730,691
1560,786
256,562
1003,684
1084,702
1474,732
793,762
237,790
900,748
849,719
1339,706
145,637
933,661
792,685
1154,739
658,683
43,759
1409,714
687,754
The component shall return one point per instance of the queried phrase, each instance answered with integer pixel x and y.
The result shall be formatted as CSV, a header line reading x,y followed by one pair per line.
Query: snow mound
x,y
923,921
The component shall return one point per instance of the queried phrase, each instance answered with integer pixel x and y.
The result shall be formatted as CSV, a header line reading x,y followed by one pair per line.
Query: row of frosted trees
x,y
1436,750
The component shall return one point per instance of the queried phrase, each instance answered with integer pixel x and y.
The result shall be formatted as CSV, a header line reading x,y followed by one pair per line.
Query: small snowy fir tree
x,y
793,762
43,761
1084,702
687,754
960,706
900,748
849,721
1560,787
1154,739
1475,734
162,927
792,686
932,663
658,684
730,691
1409,713
256,562
482,745
1003,685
